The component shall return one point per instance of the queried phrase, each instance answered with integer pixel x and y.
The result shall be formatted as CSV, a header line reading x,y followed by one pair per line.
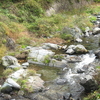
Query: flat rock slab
x,y
38,54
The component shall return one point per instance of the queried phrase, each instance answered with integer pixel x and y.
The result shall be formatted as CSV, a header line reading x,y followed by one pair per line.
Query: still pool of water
x,y
47,73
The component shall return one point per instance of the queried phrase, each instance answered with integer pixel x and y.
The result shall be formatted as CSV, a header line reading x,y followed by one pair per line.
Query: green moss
x,y
98,67
46,59
58,57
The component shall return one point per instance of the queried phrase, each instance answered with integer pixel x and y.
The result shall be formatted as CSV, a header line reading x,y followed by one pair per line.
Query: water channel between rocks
x,y
51,74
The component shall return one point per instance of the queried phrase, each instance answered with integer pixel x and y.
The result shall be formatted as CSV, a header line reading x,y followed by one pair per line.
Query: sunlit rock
x,y
39,55
76,49
96,30
50,46
9,60
8,85
35,82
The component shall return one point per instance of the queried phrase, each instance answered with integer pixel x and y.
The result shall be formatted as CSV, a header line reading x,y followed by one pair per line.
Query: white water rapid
x,y
86,60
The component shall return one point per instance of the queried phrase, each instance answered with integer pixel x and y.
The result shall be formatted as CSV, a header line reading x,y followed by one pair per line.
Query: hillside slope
x,y
23,20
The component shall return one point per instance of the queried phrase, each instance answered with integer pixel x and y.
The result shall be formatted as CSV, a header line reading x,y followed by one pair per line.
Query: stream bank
x,y
58,76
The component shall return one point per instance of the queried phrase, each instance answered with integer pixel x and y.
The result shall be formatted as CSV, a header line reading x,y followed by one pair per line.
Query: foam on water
x,y
87,59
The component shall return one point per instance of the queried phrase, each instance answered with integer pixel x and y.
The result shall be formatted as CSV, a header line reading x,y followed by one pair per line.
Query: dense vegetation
x,y
25,20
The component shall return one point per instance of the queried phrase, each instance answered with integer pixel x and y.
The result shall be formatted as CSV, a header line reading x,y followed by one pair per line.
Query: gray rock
x,y
13,66
70,51
78,40
25,64
63,47
61,81
7,97
96,30
50,46
76,49
18,74
39,54
88,83
6,88
67,96
75,32
87,31
59,64
80,49
73,58
80,70
98,18
13,83
10,43
9,60
35,82
97,53
76,90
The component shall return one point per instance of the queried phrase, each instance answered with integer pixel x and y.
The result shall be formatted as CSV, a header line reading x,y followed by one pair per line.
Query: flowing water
x,y
51,74
86,59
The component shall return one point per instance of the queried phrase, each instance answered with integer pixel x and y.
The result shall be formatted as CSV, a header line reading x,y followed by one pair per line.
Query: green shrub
x,y
7,72
16,68
46,59
24,41
66,36
23,82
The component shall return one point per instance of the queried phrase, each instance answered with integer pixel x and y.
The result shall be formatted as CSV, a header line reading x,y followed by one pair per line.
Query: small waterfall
x,y
87,59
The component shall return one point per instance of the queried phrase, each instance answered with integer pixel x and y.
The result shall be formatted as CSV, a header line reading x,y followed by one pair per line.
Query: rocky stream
x,y
63,72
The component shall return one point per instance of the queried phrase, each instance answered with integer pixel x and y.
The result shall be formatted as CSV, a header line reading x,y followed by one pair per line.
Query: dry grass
x,y
55,40
3,50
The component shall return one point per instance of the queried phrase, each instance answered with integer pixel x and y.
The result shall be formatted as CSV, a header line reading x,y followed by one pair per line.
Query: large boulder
x,y
59,64
96,30
75,32
10,43
80,49
9,85
88,83
18,74
9,60
40,55
76,49
50,46
35,82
